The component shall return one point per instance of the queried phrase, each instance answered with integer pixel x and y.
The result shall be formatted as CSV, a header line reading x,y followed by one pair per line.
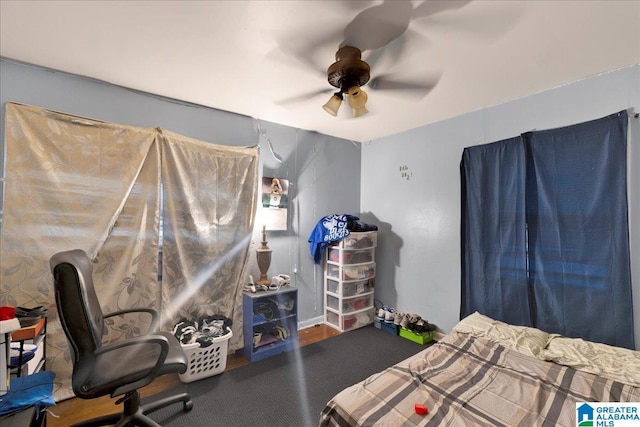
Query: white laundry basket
x,y
204,362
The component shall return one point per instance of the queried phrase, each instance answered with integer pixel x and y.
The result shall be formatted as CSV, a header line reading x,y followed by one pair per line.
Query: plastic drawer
x,y
333,302
350,305
348,322
356,288
359,272
363,240
333,318
353,272
357,320
333,286
351,256
357,303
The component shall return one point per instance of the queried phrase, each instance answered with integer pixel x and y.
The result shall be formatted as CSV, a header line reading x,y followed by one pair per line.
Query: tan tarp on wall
x,y
208,217
73,182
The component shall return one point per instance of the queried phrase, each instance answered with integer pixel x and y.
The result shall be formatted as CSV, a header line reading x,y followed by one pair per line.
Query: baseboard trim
x,y
310,322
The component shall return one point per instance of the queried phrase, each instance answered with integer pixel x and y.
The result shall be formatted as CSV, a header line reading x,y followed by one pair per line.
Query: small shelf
x,y
29,332
270,322
34,334
258,322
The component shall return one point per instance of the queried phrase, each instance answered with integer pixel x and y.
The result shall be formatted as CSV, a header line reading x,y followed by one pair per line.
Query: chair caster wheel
x,y
188,406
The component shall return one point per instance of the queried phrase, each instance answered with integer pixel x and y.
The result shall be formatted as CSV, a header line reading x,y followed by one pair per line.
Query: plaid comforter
x,y
468,381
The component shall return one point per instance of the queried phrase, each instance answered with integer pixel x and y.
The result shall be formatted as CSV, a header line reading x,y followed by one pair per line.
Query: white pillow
x,y
523,339
615,363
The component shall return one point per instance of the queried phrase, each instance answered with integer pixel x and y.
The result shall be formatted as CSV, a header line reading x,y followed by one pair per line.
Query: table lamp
x,y
263,255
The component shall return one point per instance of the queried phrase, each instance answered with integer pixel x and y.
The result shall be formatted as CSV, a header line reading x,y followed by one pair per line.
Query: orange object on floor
x,y
421,409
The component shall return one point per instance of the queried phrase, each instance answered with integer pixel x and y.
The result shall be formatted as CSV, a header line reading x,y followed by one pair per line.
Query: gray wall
x,y
417,208
419,243
316,164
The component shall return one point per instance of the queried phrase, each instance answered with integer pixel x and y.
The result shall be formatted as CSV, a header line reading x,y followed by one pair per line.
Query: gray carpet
x,y
289,389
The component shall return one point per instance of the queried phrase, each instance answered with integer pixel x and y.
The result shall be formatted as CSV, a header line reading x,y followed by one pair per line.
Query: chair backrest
x,y
78,309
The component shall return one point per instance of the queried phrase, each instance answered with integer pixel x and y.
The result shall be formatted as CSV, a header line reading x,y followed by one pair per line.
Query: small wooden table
x,y
30,333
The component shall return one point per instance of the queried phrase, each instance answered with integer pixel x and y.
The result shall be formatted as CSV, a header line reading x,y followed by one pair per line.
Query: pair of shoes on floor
x,y
30,316
387,314
415,323
409,321
399,318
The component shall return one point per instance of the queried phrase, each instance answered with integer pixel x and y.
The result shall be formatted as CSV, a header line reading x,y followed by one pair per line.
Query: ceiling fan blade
x,y
490,21
428,8
391,53
396,51
299,62
312,52
308,54
416,88
309,45
378,25
303,97
352,5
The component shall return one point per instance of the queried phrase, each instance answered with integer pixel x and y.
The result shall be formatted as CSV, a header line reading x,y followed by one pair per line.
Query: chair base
x,y
135,414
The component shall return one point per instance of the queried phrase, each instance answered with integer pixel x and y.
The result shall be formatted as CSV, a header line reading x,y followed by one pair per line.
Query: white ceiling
x,y
268,59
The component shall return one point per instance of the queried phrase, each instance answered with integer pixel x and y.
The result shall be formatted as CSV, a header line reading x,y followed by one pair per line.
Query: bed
x,y
486,372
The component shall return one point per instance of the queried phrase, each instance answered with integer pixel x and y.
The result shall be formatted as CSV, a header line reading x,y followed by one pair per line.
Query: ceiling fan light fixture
x,y
357,101
348,73
357,112
333,104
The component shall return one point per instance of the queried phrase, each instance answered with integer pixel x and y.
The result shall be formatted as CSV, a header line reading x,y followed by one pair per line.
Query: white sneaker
x,y
390,315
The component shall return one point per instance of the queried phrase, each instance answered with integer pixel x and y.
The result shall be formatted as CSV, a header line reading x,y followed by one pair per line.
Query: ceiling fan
x,y
382,30
348,74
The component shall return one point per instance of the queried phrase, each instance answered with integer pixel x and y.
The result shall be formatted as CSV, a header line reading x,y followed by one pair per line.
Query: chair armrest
x,y
151,311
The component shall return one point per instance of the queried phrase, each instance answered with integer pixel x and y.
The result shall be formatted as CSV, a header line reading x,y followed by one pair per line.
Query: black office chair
x,y
119,368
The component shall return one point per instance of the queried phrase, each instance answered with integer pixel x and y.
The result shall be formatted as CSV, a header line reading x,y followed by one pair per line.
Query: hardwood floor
x,y
75,410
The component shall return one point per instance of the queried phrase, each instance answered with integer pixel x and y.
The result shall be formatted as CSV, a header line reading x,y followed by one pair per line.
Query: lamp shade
x,y
357,101
333,105
357,112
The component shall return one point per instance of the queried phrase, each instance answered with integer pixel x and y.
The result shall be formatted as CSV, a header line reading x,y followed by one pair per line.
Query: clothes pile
x,y
333,228
202,331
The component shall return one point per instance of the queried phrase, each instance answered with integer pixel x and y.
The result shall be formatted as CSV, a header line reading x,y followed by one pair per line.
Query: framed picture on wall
x,y
275,202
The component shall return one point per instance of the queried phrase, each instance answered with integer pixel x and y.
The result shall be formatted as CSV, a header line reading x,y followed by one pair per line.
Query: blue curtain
x,y
494,259
567,239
